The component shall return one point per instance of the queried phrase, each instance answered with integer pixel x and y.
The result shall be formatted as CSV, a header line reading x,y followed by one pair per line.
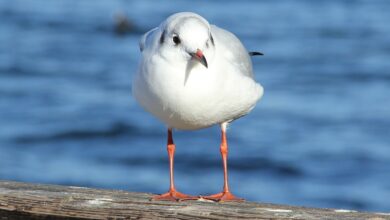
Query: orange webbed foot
x,y
174,195
223,197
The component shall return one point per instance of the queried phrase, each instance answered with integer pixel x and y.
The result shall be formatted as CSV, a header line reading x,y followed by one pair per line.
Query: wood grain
x,y
37,201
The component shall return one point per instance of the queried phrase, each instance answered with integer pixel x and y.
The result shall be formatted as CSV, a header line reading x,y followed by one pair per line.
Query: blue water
x,y
319,137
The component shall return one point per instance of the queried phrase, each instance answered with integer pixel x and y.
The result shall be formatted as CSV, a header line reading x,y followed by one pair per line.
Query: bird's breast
x,y
191,98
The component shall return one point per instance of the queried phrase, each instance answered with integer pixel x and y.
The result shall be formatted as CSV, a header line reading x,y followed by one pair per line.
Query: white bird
x,y
194,75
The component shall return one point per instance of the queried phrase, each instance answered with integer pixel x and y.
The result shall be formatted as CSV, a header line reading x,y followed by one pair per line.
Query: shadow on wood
x,y
37,201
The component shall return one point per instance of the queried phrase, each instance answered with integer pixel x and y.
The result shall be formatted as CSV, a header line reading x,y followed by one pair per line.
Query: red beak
x,y
200,57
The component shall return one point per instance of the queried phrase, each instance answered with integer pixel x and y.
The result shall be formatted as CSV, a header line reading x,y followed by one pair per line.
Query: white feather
x,y
185,94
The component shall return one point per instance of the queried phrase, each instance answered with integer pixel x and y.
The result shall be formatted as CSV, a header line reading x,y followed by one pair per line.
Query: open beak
x,y
200,57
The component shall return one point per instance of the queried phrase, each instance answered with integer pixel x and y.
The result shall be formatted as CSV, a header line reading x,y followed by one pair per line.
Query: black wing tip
x,y
255,53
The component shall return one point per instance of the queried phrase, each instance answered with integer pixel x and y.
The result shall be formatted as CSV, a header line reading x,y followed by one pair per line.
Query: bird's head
x,y
187,36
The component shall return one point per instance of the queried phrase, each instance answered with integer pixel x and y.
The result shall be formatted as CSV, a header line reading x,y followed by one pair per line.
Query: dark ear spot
x,y
212,39
162,37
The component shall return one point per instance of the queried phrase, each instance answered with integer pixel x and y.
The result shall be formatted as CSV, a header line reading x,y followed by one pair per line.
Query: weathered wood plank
x,y
38,201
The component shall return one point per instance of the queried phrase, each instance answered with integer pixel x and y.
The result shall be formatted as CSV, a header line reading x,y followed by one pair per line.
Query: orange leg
x,y
225,195
172,194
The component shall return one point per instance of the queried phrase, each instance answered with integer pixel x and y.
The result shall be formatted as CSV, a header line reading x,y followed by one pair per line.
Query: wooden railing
x,y
36,201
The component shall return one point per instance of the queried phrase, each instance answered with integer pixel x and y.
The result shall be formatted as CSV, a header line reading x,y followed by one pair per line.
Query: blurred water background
x,y
319,137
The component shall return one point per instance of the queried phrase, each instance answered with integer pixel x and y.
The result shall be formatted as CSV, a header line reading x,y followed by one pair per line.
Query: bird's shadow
x,y
189,67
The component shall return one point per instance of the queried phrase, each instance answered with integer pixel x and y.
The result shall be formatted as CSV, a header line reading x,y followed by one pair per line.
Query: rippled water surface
x,y
319,137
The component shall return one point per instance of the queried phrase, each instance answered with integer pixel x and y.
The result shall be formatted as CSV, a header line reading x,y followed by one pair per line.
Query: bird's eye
x,y
176,40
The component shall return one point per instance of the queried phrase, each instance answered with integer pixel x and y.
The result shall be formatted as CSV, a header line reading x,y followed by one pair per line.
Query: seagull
x,y
194,75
